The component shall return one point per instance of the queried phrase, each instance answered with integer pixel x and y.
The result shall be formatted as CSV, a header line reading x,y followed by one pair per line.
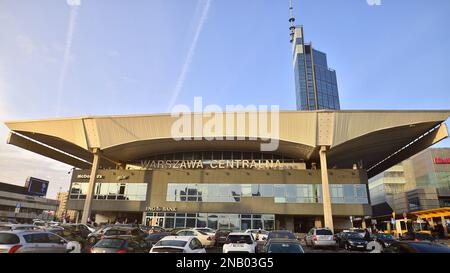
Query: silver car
x,y
320,237
26,241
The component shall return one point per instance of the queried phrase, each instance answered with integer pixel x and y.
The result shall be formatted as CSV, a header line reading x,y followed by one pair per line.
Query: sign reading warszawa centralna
x,y
215,164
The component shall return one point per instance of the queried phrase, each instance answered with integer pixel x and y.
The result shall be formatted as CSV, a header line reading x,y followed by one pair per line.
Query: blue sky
x,y
126,57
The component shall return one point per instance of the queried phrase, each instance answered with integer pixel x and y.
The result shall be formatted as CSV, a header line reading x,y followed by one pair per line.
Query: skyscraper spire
x,y
291,20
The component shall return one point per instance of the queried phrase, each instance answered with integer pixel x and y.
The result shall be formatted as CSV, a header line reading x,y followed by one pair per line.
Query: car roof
x,y
282,240
238,233
177,238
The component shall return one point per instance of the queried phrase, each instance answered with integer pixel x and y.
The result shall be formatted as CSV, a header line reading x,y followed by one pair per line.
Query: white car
x,y
178,244
206,239
239,242
258,234
206,230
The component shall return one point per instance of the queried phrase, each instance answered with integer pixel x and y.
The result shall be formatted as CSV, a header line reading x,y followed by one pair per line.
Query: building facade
x,y
63,212
133,168
316,85
17,204
421,182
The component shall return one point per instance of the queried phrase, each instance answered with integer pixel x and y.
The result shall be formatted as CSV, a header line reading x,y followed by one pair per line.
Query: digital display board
x,y
36,186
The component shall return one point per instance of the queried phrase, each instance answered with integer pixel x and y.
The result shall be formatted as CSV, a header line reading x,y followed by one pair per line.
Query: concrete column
x,y
444,225
91,187
326,200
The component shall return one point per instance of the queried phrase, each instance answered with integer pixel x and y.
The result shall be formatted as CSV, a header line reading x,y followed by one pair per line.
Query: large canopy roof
x,y
375,140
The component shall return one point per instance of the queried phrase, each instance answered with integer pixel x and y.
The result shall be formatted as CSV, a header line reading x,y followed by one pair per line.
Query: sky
x,y
64,58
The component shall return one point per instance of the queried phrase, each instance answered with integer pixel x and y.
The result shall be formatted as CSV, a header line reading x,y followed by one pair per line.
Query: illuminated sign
x,y
88,176
441,160
160,209
217,164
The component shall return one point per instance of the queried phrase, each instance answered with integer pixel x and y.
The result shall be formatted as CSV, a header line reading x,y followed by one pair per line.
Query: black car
x,y
221,236
351,240
283,246
120,245
384,239
416,247
155,237
417,236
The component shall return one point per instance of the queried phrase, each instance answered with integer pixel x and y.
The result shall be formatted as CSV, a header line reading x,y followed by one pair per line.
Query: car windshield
x,y
110,243
353,235
242,239
285,248
422,236
204,229
177,243
112,232
324,232
282,235
8,239
385,236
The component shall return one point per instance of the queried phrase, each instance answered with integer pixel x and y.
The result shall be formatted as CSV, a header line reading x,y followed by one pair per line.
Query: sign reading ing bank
x,y
218,164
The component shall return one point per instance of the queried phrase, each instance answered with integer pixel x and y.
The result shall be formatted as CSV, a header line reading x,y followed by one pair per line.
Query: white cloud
x,y
26,45
68,57
190,56
113,53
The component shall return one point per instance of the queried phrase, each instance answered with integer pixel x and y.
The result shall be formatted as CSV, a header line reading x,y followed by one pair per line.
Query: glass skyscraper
x,y
315,84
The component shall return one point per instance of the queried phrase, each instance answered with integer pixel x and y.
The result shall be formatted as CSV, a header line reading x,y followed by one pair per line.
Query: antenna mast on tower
x,y
291,20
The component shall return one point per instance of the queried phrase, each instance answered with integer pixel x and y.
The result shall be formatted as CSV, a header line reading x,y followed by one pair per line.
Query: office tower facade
x,y
315,84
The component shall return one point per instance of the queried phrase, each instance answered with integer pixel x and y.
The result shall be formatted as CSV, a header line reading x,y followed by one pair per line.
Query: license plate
x,y
238,245
359,246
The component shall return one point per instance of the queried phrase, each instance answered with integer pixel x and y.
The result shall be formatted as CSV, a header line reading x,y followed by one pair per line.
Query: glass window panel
x,y
190,222
180,222
169,223
246,190
257,223
256,190
201,221
280,194
212,222
246,224
291,190
266,190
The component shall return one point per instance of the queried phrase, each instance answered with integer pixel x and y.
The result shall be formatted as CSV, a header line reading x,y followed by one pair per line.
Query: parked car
x,y
352,240
178,244
174,231
417,236
134,232
258,234
120,245
81,229
205,239
95,236
11,227
320,237
70,236
221,236
239,242
155,237
384,239
206,230
416,247
35,242
281,234
152,229
283,246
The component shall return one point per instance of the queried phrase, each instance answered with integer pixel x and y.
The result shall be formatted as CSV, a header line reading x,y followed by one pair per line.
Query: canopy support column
x,y
91,187
326,200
